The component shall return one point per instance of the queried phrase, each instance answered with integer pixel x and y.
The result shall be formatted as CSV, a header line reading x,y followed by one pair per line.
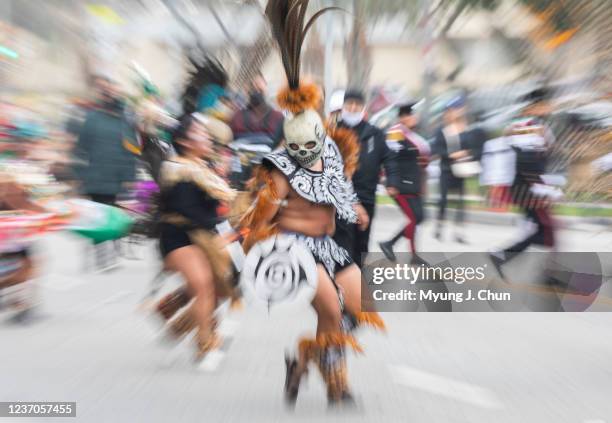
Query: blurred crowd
x,y
107,142
226,169
459,147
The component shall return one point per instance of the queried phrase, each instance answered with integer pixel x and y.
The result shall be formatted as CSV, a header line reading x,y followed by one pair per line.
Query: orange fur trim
x,y
236,304
306,96
372,319
254,218
348,144
258,235
309,347
264,185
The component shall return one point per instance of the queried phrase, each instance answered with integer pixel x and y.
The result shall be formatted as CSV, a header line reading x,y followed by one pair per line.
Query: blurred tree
x,y
369,12
357,51
366,13
556,12
314,56
453,9
253,57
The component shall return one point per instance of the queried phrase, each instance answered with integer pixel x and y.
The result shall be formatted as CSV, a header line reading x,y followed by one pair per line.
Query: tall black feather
x,y
287,19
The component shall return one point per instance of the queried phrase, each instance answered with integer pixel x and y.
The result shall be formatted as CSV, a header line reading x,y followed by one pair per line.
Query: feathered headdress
x,y
207,72
289,28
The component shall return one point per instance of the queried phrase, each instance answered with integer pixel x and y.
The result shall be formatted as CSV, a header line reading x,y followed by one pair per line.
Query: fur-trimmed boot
x,y
333,369
327,352
351,322
170,304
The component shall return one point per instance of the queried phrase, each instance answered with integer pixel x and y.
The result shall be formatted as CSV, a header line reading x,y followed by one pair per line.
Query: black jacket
x,y
472,140
412,158
531,156
101,145
373,155
190,201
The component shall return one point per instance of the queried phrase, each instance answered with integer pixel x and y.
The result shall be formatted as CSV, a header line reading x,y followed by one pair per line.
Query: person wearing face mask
x,y
105,149
374,155
258,118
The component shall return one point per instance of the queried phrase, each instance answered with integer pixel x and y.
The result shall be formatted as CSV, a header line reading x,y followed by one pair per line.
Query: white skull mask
x,y
305,135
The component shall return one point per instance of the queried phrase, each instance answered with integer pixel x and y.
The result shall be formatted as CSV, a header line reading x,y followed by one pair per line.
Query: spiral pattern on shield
x,y
279,270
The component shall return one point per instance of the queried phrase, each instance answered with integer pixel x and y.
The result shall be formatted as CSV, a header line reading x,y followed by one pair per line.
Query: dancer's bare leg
x,y
194,266
326,304
349,280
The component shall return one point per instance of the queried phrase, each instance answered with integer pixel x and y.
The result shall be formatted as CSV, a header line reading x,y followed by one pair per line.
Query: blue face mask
x,y
352,118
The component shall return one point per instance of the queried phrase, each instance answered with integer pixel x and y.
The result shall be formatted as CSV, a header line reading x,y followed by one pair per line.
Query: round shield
x,y
279,270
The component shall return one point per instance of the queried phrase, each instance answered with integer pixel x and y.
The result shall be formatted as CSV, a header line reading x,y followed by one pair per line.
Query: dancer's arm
x,y
272,196
272,190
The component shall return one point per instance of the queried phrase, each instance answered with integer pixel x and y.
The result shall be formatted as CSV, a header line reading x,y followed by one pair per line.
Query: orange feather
x,y
306,96
254,219
348,144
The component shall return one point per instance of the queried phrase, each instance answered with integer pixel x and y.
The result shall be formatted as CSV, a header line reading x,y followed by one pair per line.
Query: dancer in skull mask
x,y
300,190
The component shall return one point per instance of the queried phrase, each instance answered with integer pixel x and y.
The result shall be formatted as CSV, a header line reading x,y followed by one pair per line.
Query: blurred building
x,y
60,42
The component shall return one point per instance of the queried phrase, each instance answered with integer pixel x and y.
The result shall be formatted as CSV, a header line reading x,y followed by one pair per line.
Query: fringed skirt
x,y
326,252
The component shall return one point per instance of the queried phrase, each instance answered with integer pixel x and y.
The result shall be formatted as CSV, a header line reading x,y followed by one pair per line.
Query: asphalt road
x,y
92,345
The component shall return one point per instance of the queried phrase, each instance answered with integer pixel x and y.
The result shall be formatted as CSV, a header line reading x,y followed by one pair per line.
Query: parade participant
x,y
258,118
374,154
531,140
498,163
206,85
104,149
258,129
102,145
455,144
412,158
191,193
299,191
206,72
336,102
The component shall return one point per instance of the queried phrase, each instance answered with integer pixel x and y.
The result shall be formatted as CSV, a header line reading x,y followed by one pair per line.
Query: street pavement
x,y
91,344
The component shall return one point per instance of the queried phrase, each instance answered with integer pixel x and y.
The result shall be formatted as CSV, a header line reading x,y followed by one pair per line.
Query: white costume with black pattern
x,y
330,187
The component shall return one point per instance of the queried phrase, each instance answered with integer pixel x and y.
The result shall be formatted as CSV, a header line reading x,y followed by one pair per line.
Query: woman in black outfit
x,y
191,193
455,142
